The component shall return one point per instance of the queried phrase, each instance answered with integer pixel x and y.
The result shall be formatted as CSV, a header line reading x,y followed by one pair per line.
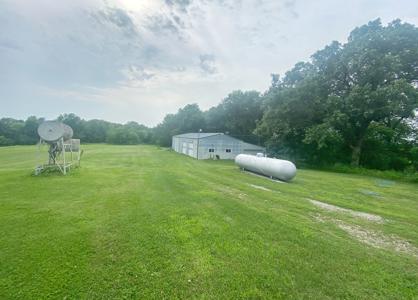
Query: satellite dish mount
x,y
63,152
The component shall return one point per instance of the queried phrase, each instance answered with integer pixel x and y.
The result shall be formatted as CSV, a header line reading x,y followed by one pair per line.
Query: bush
x,y
409,175
4,141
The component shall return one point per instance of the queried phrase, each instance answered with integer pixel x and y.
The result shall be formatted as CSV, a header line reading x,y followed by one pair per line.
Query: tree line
x,y
353,103
19,132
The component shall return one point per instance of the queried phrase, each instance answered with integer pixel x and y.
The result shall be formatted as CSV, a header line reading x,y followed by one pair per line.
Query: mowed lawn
x,y
145,222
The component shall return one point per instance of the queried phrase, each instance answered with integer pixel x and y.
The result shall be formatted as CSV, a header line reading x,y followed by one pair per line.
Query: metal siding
x,y
176,144
218,142
197,135
185,146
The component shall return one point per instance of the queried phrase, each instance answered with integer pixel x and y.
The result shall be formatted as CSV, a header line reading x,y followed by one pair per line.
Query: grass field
x,y
145,222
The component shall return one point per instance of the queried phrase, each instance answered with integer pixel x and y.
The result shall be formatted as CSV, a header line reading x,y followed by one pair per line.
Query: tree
x,y
12,131
293,106
95,131
30,130
237,114
378,67
75,122
187,119
334,101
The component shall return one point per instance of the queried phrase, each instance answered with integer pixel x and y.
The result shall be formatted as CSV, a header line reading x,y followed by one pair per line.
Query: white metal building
x,y
212,146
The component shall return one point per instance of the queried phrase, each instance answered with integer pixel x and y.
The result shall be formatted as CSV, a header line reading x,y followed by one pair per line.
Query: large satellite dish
x,y
59,138
53,131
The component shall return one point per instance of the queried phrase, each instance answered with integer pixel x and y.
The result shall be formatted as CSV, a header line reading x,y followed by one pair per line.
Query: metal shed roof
x,y
197,135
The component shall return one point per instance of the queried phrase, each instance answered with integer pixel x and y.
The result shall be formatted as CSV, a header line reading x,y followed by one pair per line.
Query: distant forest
x,y
354,103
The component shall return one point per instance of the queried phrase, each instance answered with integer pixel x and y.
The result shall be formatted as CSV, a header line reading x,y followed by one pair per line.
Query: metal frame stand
x,y
57,156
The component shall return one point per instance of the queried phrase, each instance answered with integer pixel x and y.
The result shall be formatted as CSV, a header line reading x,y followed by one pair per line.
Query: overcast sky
x,y
141,59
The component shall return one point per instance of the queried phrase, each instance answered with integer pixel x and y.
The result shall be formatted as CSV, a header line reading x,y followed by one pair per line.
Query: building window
x,y
211,150
228,150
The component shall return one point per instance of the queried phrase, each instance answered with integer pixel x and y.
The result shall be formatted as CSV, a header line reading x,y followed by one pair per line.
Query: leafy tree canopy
x,y
334,107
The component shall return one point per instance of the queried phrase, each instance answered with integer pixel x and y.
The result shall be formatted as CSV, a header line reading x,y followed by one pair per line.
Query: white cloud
x,y
140,59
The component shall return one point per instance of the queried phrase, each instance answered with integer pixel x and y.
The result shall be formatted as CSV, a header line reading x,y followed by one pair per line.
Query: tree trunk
x,y
356,153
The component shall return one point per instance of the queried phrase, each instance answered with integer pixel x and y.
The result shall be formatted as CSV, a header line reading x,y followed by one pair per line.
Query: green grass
x,y
407,176
145,222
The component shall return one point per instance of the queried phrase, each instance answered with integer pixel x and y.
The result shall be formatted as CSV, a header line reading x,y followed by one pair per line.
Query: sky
x,y
137,60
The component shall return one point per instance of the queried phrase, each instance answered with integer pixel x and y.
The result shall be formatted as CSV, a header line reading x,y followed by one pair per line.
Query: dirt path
x,y
358,214
371,237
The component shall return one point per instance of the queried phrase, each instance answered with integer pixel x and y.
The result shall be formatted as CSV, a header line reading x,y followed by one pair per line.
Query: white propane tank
x,y
272,167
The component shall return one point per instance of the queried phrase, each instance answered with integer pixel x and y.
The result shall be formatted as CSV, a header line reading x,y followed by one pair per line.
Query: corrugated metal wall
x,y
221,146
225,147
185,146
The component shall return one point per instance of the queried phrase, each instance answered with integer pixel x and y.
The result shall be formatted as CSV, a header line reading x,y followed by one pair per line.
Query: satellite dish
x,y
52,131
68,132
59,138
